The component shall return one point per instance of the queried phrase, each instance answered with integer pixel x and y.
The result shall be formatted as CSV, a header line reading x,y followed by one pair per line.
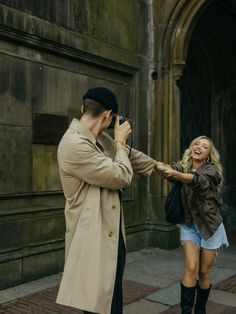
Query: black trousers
x,y
117,299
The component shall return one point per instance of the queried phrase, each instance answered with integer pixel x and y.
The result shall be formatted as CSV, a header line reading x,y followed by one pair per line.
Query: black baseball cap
x,y
104,96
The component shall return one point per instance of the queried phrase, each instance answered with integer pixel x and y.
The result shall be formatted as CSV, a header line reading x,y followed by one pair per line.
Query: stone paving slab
x,y
144,307
212,308
220,274
166,296
160,272
133,291
223,297
228,285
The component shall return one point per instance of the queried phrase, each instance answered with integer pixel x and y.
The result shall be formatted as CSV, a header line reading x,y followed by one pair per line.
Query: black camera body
x,y
121,121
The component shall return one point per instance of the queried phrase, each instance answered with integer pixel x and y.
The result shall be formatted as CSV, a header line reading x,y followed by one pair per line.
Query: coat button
x,y
113,207
110,233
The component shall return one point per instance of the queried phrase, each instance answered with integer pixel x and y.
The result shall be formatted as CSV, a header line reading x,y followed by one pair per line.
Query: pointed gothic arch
x,y
177,26
180,19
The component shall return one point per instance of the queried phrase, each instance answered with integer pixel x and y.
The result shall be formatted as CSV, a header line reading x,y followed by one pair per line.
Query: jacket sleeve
x,y
141,163
177,167
204,178
81,160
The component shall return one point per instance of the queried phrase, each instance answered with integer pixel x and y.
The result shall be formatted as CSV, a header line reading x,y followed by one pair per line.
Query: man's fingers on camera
x,y
126,126
127,123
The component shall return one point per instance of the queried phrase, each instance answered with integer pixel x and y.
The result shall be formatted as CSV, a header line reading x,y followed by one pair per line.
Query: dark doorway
x,y
208,94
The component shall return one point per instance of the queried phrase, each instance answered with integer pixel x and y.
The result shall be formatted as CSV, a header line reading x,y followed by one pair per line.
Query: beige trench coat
x,y
91,178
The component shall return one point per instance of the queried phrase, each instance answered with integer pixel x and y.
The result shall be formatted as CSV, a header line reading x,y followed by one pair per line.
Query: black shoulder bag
x,y
173,206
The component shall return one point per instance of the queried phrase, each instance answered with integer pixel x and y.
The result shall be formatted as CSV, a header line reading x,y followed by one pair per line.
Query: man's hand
x,y
163,170
122,131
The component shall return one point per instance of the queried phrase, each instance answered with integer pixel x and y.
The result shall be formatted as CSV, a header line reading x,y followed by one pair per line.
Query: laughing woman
x,y
202,234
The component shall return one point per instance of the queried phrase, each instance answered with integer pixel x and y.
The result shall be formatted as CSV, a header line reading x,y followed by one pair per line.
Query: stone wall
x,y
51,52
168,61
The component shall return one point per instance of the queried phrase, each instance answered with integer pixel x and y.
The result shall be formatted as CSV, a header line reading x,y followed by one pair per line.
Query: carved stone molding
x,y
34,32
187,17
178,70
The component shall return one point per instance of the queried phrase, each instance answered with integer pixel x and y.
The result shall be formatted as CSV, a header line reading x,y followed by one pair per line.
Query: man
x,y
93,169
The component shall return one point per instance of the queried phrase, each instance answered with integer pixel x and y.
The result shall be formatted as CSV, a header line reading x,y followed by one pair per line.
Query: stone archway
x,y
176,33
176,23
207,93
173,22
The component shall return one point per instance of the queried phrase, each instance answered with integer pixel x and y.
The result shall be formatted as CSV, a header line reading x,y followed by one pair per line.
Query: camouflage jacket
x,y
201,199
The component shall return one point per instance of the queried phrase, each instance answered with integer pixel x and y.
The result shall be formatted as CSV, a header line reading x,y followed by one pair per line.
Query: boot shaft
x,y
201,300
187,299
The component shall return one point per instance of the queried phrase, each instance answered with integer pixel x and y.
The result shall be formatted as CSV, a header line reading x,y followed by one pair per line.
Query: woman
x,y
202,234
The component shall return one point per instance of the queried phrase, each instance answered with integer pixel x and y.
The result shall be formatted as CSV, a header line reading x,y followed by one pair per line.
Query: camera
x,y
121,121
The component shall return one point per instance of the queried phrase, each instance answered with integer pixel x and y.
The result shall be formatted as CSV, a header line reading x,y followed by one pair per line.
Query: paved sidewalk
x,y
151,286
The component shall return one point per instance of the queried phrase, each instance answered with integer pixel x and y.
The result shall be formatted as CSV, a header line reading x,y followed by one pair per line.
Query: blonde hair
x,y
213,158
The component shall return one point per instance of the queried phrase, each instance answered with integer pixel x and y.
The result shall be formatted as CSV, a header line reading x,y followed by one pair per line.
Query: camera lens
x,y
122,119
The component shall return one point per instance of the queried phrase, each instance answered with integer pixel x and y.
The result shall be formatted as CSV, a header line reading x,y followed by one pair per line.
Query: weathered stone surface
x,y
51,53
172,78
115,23
10,273
45,168
16,159
37,266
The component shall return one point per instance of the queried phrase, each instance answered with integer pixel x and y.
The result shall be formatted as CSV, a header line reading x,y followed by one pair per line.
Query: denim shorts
x,y
216,241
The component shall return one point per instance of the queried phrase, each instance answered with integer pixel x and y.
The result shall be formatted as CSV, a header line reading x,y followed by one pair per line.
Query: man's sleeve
x,y
83,161
141,163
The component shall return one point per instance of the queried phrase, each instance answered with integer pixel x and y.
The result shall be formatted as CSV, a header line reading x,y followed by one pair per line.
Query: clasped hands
x,y
163,170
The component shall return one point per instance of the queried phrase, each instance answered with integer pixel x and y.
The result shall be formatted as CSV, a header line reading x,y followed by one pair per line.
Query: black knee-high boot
x,y
201,300
187,299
